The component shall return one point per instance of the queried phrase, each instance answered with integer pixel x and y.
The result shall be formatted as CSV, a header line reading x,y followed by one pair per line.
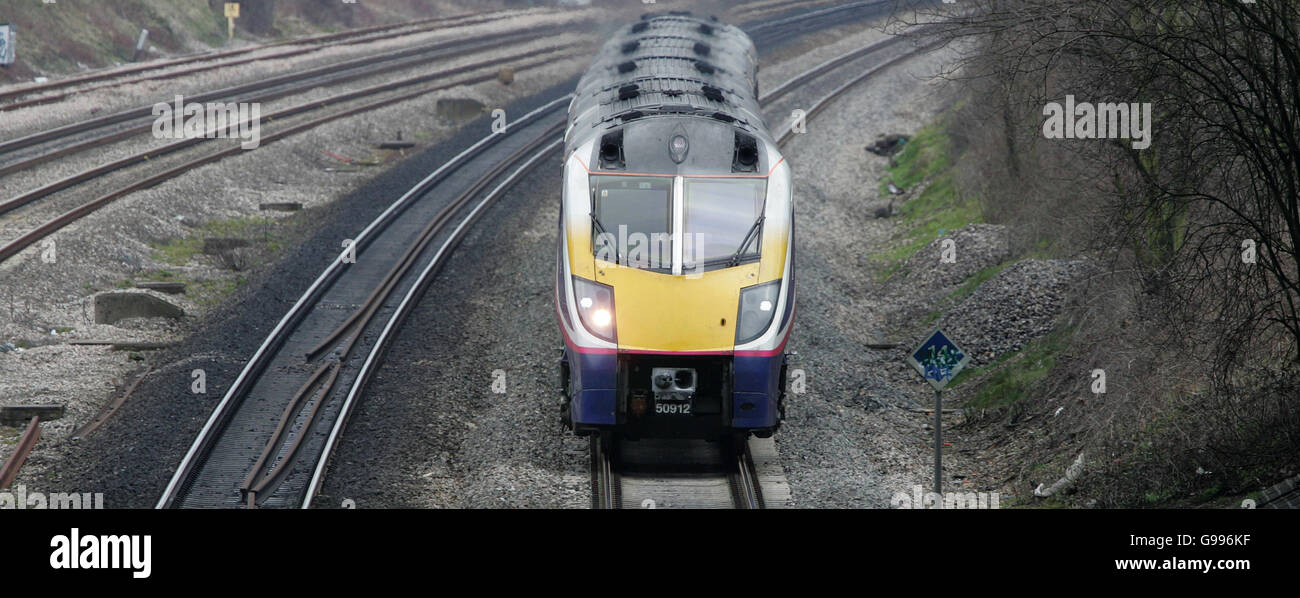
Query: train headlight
x,y
596,307
757,307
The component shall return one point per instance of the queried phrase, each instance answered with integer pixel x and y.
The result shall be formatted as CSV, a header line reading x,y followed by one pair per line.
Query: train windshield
x,y
720,219
632,220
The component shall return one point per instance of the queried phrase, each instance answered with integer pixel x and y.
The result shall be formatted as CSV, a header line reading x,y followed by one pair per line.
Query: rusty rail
x,y
92,173
262,477
99,420
357,36
15,461
9,250
311,78
839,91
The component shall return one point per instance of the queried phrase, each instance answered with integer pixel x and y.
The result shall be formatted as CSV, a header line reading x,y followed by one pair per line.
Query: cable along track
x,y
268,441
265,444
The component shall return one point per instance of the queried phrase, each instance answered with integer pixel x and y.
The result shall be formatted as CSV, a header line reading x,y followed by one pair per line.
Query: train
x,y
675,277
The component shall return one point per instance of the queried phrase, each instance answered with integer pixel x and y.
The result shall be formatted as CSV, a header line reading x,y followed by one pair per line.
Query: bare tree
x,y
1223,172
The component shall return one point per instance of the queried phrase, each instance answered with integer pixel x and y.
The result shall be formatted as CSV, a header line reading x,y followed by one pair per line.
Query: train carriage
x,y
675,264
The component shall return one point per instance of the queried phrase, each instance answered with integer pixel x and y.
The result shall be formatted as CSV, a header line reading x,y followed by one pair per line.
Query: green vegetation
x,y
158,276
179,252
57,38
939,208
209,293
967,288
1158,497
261,231
1014,374
975,281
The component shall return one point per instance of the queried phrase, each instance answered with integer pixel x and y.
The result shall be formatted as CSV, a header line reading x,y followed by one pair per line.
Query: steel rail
x,y
185,72
261,357
362,317
26,240
825,100
825,67
742,479
727,477
361,35
20,200
328,71
752,8
332,79
817,13
745,485
403,309
603,478
262,477
9,470
99,420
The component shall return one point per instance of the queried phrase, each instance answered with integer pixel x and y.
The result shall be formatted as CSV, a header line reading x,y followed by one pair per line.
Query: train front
x,y
675,279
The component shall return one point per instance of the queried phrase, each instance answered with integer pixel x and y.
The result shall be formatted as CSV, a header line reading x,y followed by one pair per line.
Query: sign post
x,y
232,13
139,45
6,44
938,360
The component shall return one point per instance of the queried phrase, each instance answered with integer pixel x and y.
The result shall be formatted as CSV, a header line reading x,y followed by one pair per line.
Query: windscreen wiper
x,y
744,244
601,228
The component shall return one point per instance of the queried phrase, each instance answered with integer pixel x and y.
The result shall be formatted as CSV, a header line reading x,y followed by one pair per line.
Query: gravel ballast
x,y
433,432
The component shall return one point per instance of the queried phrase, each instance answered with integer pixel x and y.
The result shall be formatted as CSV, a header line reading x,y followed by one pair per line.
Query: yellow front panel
x,y
775,242
580,250
661,312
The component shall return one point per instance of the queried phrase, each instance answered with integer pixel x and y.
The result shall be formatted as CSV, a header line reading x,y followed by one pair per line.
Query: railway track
x,y
222,59
684,474
22,153
440,80
753,9
717,474
267,90
9,470
779,30
268,442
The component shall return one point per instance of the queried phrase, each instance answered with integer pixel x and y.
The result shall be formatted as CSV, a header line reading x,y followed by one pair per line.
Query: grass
x,y
941,208
209,293
179,252
967,289
975,281
924,155
938,209
58,38
158,276
1011,382
260,230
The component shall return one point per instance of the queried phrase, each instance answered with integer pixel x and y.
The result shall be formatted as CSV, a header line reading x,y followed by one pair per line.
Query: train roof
x,y
667,76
